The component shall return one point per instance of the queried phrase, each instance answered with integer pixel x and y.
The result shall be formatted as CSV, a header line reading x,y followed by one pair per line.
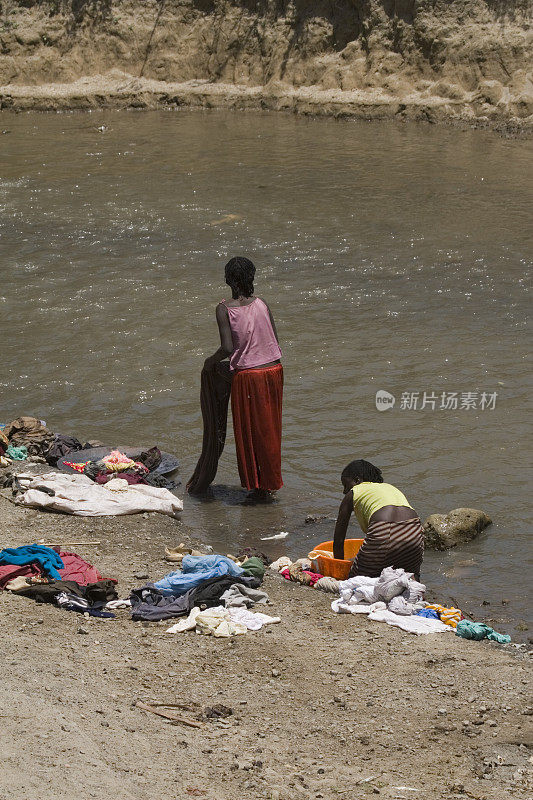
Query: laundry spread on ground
x,y
79,495
212,594
28,438
223,622
195,570
50,575
45,557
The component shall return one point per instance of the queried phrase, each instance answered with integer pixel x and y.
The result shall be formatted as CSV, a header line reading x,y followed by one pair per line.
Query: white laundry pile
x,y
394,598
77,494
222,622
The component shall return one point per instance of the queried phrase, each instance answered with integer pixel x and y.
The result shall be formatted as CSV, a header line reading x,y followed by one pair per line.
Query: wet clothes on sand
x,y
137,469
256,405
240,596
99,592
297,574
391,584
196,570
31,433
215,390
71,602
478,630
79,495
222,622
451,616
17,453
44,557
390,544
61,446
254,567
150,604
75,569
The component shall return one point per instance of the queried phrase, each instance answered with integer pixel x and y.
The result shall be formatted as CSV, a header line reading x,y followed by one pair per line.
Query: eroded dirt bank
x,y
467,60
324,706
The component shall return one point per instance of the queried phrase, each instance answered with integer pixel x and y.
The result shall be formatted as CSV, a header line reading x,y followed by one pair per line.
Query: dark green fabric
x,y
254,567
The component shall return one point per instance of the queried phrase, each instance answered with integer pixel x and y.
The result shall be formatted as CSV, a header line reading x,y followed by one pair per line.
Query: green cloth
x,y
254,568
478,630
17,453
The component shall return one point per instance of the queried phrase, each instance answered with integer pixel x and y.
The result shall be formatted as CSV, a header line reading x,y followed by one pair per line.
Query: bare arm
x,y
341,527
272,323
226,340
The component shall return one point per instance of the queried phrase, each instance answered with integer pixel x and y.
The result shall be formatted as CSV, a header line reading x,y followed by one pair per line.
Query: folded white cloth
x,y
413,624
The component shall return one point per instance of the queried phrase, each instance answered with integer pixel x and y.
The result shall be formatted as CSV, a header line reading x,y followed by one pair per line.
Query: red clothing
x,y
256,399
75,569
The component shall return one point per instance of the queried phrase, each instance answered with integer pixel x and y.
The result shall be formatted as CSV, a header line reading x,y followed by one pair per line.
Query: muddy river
x,y
394,259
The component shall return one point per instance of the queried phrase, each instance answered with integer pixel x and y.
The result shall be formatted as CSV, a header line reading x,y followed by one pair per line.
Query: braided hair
x,y
239,274
362,470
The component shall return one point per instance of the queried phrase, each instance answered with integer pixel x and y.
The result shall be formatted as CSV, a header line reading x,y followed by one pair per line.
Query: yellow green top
x,y
370,497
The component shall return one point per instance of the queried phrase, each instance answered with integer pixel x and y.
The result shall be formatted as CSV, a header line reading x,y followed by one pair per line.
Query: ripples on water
x,y
393,258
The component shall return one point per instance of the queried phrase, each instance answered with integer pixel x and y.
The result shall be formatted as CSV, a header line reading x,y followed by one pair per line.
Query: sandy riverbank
x,y
467,62
323,706
120,91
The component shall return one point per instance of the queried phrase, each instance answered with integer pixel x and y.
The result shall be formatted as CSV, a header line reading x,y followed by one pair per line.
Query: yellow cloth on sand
x,y
450,616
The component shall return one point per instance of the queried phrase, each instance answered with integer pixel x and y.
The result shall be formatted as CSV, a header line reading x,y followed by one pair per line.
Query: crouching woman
x,y
394,536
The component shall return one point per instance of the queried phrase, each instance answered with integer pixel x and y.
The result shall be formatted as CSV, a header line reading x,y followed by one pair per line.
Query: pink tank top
x,y
253,336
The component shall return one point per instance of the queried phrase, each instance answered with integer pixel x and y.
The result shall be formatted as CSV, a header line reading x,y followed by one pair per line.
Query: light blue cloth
x,y
196,570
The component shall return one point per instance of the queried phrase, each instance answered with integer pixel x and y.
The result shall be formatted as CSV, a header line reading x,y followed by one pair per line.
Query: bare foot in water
x,y
261,495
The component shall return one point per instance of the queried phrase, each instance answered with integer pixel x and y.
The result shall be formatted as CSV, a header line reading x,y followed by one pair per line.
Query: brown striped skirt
x,y
390,544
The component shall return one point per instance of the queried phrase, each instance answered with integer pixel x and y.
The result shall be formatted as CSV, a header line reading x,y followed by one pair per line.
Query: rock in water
x,y
443,531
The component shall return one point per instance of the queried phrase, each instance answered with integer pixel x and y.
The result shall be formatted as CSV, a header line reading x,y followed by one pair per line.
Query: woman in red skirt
x,y
249,338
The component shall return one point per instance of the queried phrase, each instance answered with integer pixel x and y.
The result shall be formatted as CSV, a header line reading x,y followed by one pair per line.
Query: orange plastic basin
x,y
338,567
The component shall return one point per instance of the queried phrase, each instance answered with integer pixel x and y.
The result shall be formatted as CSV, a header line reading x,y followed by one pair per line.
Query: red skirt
x,y
256,398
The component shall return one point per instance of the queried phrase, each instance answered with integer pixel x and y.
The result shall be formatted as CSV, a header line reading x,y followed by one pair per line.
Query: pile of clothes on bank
x,y
28,438
51,575
94,480
137,469
212,594
393,597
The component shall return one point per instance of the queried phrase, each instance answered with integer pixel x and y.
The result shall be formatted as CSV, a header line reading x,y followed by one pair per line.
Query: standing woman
x,y
249,338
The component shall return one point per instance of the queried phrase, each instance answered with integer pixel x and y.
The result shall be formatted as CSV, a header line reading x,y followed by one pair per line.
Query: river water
x,y
394,258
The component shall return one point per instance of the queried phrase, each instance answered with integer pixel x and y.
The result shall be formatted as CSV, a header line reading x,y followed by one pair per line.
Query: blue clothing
x,y
196,570
430,613
47,558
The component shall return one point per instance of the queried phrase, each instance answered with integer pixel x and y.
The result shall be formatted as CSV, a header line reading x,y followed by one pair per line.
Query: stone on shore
x,y
444,531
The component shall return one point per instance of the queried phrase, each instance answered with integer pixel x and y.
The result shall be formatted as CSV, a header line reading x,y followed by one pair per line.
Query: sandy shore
x,y
121,91
324,706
